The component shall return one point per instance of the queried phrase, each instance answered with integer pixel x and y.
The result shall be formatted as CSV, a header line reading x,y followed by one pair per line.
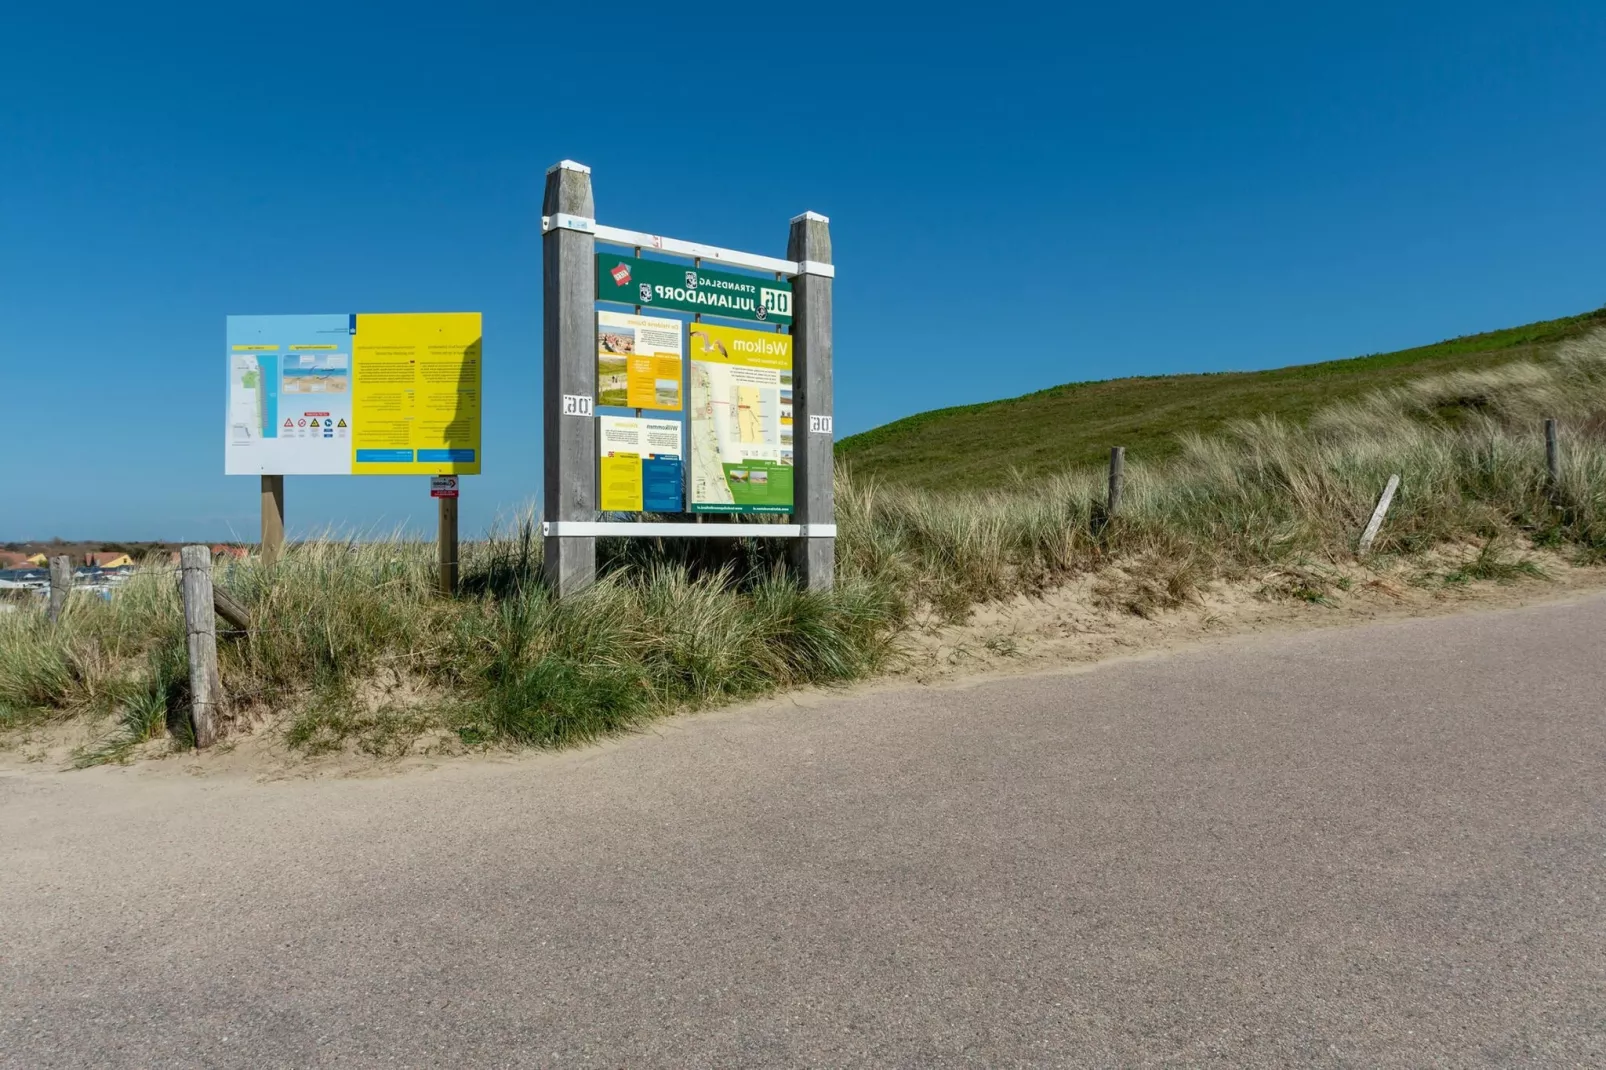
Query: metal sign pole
x,y
569,361
814,502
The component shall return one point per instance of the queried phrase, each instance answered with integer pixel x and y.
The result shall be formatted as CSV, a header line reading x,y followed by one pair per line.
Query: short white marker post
x,y
1377,515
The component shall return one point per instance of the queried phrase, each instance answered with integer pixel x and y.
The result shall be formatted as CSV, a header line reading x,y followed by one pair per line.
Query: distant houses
x,y
113,560
108,559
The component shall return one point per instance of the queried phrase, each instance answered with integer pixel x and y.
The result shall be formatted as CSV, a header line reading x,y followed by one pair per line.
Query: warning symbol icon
x,y
342,422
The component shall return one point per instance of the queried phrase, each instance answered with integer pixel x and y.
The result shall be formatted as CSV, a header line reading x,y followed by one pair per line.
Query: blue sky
x,y
1156,188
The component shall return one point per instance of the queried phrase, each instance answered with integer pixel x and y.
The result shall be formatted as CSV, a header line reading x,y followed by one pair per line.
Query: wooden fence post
x,y
1117,480
60,585
1552,454
1377,515
232,612
200,633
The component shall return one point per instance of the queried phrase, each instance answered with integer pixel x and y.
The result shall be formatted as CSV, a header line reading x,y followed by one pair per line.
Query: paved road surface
x,y
1375,847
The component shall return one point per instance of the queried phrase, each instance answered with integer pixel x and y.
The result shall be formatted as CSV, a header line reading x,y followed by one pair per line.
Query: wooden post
x,y
448,545
60,585
200,632
1377,515
569,367
813,490
232,612
1117,480
272,518
1552,455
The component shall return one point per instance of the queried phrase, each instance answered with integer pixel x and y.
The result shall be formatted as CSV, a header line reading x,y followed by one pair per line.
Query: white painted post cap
x,y
811,215
569,165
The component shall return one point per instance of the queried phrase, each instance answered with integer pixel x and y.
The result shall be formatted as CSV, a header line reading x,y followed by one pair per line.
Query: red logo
x,y
621,275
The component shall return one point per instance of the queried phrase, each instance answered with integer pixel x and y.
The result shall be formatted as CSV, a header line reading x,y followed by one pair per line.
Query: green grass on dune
x,y
351,646
976,447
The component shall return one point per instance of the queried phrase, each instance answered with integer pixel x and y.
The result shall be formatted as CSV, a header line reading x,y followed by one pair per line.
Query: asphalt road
x,y
1382,846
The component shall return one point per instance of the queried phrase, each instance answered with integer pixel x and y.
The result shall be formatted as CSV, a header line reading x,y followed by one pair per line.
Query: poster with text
x,y
740,421
353,394
638,361
639,465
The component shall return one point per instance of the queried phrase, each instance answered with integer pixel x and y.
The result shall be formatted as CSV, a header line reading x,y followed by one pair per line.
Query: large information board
x,y
740,422
353,394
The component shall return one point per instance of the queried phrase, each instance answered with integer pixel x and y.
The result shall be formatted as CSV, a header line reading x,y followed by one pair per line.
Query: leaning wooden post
x,y
1377,515
447,544
200,633
569,367
272,518
813,486
1552,455
1117,480
60,585
230,609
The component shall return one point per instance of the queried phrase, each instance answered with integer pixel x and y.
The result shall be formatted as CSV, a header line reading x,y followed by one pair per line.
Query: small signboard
x,y
630,280
443,486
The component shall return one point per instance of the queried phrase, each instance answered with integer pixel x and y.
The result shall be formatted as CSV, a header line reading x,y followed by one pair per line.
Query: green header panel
x,y
652,284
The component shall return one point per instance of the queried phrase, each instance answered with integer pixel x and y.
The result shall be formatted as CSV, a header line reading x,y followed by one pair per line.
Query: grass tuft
x,y
351,647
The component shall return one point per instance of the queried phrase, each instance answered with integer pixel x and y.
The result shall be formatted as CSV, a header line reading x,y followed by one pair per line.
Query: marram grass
x,y
353,646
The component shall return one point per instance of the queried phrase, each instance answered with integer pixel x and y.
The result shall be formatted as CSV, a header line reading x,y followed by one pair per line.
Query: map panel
x,y
740,421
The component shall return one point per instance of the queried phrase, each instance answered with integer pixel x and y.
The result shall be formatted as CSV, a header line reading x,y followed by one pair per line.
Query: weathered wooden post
x,y
814,495
230,609
200,634
1376,522
272,518
447,544
60,585
1552,455
1117,480
569,363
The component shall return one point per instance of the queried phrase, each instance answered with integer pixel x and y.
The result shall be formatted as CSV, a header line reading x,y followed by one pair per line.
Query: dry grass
x,y
353,646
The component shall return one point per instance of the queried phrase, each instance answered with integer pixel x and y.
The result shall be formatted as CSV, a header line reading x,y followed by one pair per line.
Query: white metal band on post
x,y
604,528
676,247
568,222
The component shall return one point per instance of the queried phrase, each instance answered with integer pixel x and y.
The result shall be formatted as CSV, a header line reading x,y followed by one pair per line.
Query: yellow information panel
x,y
620,484
415,394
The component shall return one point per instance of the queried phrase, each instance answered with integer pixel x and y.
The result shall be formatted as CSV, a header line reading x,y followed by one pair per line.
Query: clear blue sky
x,y
1154,188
